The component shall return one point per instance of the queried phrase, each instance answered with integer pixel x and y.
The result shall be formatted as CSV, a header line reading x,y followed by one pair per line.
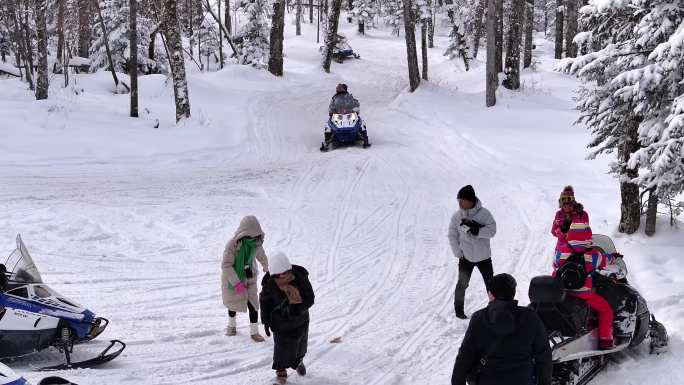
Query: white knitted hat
x,y
278,263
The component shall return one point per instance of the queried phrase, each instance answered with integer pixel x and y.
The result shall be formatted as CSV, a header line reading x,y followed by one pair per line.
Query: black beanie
x,y
502,286
467,193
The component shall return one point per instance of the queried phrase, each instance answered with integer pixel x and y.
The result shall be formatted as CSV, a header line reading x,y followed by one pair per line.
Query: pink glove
x,y
240,288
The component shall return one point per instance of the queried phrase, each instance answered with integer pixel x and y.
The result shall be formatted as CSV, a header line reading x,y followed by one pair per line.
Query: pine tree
x,y
633,92
252,41
394,15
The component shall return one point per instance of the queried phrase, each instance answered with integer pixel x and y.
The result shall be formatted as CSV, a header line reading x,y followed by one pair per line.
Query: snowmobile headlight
x,y
353,117
337,119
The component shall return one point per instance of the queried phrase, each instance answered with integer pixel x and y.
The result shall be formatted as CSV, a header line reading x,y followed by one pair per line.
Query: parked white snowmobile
x,y
571,325
34,317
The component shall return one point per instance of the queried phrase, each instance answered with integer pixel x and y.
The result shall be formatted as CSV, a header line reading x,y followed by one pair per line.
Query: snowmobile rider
x,y
470,230
505,343
239,275
286,296
343,101
571,227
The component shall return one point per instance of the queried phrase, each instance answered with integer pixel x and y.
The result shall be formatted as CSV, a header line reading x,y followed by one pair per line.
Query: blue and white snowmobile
x,y
34,317
572,326
344,127
9,377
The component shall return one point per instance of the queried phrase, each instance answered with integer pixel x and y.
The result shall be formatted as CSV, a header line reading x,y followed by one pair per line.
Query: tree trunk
x,y
411,54
84,16
105,39
630,207
651,212
133,61
362,27
27,51
571,28
311,7
19,51
512,70
60,36
529,27
559,29
275,61
492,70
477,33
423,47
499,35
28,42
226,17
177,64
41,32
431,33
331,35
298,20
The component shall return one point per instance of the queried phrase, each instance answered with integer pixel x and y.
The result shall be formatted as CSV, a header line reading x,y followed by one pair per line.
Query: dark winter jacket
x,y
515,344
343,102
276,311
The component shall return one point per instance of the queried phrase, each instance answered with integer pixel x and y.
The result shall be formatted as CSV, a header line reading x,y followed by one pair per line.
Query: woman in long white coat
x,y
239,274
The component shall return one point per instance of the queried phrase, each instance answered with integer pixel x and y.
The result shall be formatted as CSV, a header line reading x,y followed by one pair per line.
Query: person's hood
x,y
501,315
249,227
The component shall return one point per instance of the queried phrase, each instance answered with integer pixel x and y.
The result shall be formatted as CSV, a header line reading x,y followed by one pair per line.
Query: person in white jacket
x,y
470,230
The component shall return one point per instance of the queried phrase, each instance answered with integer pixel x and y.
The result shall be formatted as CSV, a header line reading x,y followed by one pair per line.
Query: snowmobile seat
x,y
567,315
545,289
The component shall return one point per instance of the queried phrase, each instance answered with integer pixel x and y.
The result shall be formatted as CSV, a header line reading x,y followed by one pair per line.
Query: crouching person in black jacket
x,y
285,299
505,343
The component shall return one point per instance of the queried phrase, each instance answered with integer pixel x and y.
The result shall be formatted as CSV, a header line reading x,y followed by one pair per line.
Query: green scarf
x,y
245,257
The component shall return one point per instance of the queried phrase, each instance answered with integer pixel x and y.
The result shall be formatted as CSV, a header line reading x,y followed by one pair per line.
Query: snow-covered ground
x,y
131,221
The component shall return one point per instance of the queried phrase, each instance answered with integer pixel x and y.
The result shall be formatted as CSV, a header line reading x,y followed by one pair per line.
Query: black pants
x,y
465,270
289,348
253,313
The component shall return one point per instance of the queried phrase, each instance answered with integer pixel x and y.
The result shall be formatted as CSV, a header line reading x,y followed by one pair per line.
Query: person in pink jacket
x,y
571,227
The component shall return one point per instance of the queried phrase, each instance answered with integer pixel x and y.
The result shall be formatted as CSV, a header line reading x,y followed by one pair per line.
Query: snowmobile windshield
x,y
344,104
604,243
21,266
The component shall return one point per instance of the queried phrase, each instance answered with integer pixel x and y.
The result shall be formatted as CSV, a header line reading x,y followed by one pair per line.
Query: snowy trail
x,y
138,237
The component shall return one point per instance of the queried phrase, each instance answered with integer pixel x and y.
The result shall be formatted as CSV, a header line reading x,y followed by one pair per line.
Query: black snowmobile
x,y
34,317
572,326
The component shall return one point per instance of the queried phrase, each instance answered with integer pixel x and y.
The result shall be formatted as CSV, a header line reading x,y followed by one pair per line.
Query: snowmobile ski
x,y
105,356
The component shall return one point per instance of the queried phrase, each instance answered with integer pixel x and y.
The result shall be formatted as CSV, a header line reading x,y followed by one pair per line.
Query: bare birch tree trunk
x,y
57,68
529,29
477,33
512,69
559,29
84,17
411,54
42,65
177,64
571,28
424,48
275,60
298,20
499,35
331,36
492,70
133,61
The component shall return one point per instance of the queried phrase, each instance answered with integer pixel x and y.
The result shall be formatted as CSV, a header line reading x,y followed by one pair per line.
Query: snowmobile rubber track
x,y
104,357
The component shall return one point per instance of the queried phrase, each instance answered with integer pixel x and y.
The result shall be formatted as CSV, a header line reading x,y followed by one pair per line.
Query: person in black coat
x,y
505,343
285,299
